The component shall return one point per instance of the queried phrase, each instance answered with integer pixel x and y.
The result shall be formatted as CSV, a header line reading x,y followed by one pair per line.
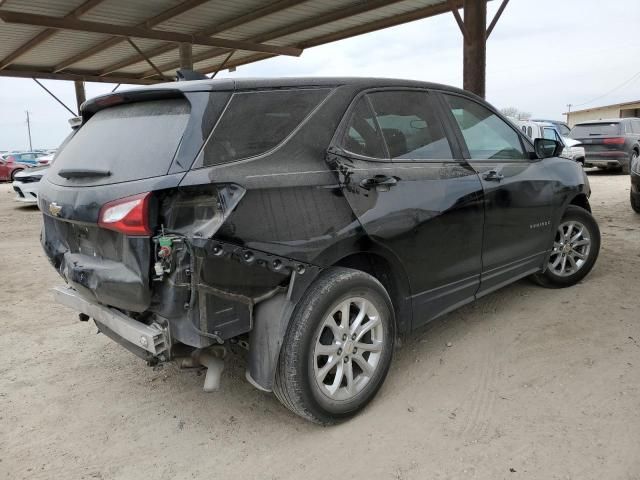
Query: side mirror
x,y
546,148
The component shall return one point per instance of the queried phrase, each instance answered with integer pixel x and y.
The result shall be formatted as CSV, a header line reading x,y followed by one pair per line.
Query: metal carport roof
x,y
139,41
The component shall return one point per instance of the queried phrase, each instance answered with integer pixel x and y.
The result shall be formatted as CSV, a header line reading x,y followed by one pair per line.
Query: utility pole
x,y
29,130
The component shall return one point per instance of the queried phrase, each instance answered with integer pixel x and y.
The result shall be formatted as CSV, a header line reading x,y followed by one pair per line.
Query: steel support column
x,y
475,46
186,56
81,96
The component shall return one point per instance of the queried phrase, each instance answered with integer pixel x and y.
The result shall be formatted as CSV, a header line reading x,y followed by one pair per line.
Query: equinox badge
x,y
54,209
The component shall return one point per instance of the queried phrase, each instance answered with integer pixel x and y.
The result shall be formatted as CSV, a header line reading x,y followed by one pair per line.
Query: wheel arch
x,y
581,200
14,172
390,275
271,317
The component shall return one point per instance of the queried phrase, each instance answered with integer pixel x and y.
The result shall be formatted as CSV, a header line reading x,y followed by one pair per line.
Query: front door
x,y
414,196
518,192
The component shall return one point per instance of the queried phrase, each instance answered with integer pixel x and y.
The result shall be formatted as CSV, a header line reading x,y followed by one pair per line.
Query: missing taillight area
x,y
128,215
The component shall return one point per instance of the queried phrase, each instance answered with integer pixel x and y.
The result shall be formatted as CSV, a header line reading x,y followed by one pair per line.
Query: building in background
x,y
617,110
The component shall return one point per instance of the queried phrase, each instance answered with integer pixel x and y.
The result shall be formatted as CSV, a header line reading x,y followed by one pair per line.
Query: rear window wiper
x,y
83,173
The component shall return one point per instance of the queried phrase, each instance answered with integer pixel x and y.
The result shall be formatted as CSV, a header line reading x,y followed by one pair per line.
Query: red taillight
x,y
614,141
129,215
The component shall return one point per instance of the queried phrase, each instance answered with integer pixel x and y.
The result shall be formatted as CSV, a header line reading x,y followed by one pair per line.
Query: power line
x,y
626,82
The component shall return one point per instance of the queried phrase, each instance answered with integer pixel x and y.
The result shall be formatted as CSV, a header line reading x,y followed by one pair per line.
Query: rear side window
x,y
132,141
487,136
591,129
362,135
410,126
256,122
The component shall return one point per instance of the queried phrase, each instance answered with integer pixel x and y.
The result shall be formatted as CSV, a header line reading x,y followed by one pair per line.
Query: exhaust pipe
x,y
213,360
214,365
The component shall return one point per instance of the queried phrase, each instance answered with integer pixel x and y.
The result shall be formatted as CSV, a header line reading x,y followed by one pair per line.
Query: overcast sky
x,y
541,56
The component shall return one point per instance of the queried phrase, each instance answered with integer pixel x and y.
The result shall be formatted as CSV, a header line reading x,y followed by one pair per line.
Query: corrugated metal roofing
x,y
41,51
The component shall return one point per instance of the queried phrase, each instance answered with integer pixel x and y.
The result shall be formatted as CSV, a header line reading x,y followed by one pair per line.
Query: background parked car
x,y
609,144
573,149
27,158
45,159
9,169
26,182
562,127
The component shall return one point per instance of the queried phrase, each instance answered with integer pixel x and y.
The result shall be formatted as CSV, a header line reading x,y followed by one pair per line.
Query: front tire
x,y
338,347
575,249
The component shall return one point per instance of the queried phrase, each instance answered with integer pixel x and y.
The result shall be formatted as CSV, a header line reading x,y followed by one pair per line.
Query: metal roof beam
x,y
45,34
32,72
350,32
54,97
153,65
213,29
149,23
399,19
496,17
140,32
333,16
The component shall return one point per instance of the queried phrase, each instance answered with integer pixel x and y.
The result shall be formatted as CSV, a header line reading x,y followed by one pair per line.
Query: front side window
x,y
410,126
256,122
487,136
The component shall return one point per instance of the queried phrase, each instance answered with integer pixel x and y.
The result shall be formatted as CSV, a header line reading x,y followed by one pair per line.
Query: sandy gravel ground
x,y
537,384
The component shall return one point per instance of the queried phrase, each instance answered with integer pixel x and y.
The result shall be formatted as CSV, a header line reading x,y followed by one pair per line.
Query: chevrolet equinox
x,y
309,222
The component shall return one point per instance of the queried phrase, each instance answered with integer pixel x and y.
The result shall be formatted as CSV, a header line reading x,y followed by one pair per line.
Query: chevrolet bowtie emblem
x,y
54,209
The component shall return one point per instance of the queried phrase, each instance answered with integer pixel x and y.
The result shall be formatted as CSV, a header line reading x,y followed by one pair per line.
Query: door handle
x,y
378,181
493,176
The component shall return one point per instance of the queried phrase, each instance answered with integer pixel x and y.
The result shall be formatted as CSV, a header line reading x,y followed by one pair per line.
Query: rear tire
x,y
635,202
575,250
329,370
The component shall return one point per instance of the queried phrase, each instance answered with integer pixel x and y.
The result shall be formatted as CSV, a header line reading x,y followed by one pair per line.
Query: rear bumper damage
x,y
147,341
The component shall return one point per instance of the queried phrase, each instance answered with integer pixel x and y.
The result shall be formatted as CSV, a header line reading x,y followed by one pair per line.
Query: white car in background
x,y
572,148
26,182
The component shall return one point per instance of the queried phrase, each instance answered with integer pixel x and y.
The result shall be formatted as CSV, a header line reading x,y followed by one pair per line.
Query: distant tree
x,y
513,112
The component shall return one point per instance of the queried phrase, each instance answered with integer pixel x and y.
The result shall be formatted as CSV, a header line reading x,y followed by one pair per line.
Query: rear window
x,y
132,141
590,129
256,122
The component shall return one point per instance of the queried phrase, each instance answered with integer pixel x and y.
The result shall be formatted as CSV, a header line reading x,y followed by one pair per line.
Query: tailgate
x,y
133,144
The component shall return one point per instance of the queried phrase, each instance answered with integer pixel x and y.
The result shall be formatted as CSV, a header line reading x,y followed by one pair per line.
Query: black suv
x,y
310,221
609,144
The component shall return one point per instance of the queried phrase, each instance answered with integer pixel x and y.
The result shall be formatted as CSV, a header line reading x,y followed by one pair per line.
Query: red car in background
x,y
8,168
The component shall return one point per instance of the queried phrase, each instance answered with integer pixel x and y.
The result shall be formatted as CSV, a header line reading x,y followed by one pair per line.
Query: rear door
x,y
415,197
518,192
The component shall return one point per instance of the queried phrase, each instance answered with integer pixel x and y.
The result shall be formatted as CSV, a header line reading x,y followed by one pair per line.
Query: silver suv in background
x,y
609,144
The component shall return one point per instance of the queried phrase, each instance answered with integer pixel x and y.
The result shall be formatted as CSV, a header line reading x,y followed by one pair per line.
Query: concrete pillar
x,y
475,46
81,96
186,56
